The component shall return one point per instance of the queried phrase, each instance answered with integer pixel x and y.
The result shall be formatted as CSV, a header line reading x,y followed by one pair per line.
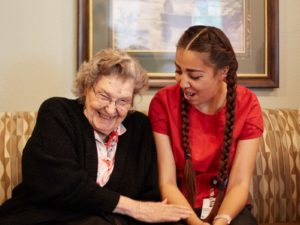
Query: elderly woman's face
x,y
107,103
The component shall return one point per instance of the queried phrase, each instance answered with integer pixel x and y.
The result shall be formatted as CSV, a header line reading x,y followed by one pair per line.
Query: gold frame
x,y
270,79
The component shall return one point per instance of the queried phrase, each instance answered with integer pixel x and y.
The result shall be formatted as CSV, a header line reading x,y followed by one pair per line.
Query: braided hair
x,y
211,40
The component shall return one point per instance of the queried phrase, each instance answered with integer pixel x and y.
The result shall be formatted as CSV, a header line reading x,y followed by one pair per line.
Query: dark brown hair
x,y
211,40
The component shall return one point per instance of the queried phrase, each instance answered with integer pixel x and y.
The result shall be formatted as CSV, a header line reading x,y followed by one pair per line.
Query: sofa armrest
x,y
275,189
15,129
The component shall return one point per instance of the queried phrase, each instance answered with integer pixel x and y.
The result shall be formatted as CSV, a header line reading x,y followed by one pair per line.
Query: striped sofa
x,y
275,190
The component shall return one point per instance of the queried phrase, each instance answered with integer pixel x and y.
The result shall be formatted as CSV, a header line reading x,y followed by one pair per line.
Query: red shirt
x,y
205,133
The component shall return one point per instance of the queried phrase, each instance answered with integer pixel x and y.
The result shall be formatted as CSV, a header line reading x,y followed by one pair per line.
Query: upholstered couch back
x,y
275,190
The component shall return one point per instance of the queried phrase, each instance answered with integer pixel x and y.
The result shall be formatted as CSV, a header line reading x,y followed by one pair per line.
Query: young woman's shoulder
x,y
168,96
169,90
245,95
242,90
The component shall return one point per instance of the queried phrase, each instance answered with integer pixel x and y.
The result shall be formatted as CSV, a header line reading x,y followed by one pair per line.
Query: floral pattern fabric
x,y
106,154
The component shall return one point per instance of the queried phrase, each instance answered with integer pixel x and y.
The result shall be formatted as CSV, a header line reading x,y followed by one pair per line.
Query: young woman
x,y
207,129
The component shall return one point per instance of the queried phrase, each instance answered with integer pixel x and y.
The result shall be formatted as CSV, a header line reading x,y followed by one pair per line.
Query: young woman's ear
x,y
224,71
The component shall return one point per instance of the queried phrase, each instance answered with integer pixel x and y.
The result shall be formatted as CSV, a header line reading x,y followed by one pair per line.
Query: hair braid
x,y
189,172
227,142
228,130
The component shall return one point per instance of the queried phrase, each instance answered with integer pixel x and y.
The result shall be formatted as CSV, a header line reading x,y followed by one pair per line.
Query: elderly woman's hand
x,y
152,212
161,212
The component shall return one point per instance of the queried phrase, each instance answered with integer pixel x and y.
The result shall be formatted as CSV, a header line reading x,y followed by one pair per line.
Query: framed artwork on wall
x,y
148,30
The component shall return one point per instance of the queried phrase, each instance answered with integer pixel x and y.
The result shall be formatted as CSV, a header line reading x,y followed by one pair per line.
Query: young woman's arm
x,y
239,179
167,176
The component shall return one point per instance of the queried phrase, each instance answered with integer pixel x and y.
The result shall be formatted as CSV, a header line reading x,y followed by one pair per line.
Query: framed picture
x,y
148,30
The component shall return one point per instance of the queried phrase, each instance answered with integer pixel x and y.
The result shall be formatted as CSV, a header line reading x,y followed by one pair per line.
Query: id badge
x,y
207,205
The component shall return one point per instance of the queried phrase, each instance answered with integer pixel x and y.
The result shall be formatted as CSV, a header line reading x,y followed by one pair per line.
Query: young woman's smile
x,y
202,86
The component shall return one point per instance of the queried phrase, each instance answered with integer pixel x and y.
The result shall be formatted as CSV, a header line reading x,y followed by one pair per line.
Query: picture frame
x,y
268,41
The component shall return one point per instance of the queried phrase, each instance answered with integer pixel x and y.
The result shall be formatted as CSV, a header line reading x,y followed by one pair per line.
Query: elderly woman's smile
x,y
90,156
107,103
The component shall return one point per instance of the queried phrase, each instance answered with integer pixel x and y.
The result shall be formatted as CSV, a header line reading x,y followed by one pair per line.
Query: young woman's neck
x,y
215,104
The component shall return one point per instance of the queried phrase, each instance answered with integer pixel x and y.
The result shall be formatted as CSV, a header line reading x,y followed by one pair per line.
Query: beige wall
x,y
288,95
38,54
37,51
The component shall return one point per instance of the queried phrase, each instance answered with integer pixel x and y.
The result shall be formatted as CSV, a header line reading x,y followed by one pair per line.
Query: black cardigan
x,y
60,165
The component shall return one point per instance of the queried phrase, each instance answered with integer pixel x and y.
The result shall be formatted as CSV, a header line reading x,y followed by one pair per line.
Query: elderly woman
x,y
91,160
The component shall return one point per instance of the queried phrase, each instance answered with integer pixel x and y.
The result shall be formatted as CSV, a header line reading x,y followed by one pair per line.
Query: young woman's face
x,y
107,103
199,81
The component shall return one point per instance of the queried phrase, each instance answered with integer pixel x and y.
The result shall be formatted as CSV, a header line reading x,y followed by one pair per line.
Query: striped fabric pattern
x,y
275,190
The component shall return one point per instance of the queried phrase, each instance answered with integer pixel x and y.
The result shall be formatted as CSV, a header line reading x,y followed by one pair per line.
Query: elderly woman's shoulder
x,y
59,103
137,116
56,101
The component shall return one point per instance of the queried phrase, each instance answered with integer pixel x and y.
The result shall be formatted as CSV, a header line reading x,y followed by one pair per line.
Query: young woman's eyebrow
x,y
193,70
188,70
